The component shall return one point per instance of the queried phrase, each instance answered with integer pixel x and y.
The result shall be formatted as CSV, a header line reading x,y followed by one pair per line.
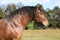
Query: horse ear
x,y
38,8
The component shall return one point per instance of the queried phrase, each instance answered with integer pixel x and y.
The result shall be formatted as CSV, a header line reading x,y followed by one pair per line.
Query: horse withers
x,y
12,26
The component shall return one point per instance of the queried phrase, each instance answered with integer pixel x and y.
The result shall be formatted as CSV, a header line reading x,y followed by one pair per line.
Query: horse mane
x,y
30,10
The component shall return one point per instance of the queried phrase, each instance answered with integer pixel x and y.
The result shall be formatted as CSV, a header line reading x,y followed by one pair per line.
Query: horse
x,y
13,25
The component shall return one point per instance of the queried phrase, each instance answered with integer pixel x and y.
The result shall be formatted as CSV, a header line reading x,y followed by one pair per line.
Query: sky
x,y
46,3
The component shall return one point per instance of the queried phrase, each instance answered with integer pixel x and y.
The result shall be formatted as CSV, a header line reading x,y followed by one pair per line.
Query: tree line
x,y
53,16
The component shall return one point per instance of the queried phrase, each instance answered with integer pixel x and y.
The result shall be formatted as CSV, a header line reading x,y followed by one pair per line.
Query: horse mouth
x,y
46,24
43,25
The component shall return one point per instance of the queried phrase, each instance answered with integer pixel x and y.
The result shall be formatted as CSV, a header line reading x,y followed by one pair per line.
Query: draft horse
x,y
12,26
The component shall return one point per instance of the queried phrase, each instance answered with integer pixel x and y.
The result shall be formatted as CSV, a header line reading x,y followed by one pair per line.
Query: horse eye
x,y
41,13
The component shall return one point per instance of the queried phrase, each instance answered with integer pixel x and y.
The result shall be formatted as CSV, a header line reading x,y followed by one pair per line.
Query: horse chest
x,y
13,31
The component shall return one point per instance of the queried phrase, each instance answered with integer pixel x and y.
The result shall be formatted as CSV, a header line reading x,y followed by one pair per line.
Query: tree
x,y
57,12
2,15
13,7
10,8
19,5
54,17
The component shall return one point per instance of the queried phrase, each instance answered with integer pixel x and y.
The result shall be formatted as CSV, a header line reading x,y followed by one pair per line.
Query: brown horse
x,y
12,26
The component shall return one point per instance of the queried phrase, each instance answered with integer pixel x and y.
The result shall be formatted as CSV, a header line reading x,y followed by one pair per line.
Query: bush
x,y
2,15
30,26
53,23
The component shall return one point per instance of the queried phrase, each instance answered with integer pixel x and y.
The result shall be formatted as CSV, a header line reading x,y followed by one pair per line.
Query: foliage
x,y
2,15
53,23
54,17
30,26
10,8
19,5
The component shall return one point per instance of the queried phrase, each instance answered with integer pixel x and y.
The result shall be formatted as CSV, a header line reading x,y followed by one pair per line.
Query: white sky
x,y
46,3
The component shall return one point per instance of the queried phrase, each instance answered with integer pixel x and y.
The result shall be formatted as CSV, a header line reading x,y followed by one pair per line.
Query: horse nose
x,y
47,25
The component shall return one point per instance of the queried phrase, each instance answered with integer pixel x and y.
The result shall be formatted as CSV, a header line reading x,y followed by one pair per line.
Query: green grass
x,y
41,35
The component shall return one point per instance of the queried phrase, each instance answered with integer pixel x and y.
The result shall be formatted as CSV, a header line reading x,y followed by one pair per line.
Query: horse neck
x,y
21,20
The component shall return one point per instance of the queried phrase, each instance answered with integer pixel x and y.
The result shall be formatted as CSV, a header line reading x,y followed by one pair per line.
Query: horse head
x,y
40,17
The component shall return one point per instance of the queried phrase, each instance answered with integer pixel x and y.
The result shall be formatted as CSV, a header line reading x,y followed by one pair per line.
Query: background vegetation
x,y
53,16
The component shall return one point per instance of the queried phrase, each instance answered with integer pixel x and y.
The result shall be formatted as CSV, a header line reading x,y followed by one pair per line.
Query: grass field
x,y
41,35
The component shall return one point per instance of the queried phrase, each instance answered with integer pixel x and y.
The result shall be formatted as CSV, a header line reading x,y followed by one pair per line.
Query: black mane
x,y
30,10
